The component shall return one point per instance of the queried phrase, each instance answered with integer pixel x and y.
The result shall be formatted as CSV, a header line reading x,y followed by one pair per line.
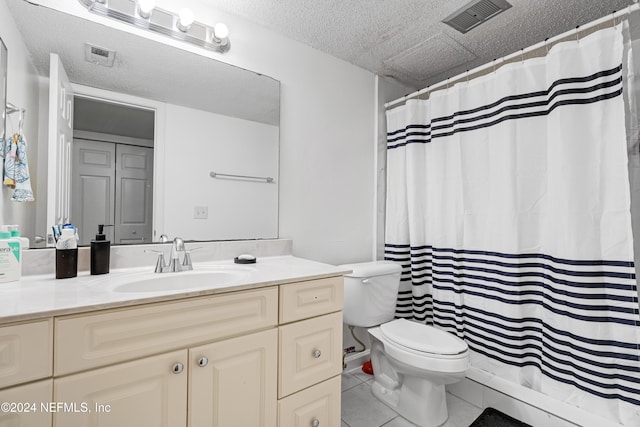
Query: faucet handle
x,y
160,263
186,262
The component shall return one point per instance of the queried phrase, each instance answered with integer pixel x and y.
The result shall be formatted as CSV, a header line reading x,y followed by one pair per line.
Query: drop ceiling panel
x,y
412,62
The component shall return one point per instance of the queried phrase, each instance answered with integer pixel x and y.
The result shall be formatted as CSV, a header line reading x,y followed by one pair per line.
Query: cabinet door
x,y
147,392
310,352
235,386
27,400
315,406
25,352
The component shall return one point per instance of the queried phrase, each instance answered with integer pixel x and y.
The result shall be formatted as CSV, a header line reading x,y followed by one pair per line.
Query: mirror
x,y
209,117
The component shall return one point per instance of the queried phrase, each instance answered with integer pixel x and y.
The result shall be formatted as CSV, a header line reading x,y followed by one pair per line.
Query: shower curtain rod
x,y
497,62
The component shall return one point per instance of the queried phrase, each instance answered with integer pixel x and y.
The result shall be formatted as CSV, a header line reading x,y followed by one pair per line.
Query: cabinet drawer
x,y
310,352
25,352
84,342
309,299
33,394
318,405
145,392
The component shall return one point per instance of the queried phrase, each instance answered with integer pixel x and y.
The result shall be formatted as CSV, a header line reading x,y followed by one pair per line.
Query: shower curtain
x,y
508,209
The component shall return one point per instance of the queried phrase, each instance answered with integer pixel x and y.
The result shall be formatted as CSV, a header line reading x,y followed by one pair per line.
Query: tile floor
x,y
361,409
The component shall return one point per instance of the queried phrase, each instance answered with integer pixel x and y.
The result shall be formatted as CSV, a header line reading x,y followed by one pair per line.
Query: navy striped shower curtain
x,y
508,207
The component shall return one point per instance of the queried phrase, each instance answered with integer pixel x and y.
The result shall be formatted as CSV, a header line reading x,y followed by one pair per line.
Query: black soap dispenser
x,y
100,252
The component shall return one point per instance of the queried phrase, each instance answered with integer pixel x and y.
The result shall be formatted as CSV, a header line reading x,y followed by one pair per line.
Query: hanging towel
x,y
23,191
9,154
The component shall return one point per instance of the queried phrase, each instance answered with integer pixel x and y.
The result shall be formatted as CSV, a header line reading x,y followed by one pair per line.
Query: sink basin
x,y
185,280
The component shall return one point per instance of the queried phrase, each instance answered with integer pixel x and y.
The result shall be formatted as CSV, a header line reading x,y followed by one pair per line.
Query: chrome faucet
x,y
174,259
177,248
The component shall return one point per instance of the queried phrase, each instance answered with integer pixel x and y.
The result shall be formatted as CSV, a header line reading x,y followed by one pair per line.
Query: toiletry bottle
x,y
67,254
15,233
10,258
100,252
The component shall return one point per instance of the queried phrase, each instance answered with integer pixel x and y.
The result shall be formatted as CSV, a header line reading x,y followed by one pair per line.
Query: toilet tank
x,y
370,293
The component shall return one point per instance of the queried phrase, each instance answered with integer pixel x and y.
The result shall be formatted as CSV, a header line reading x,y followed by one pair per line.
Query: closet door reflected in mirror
x,y
113,151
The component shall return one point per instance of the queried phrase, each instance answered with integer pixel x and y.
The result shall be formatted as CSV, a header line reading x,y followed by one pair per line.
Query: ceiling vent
x,y
99,55
475,13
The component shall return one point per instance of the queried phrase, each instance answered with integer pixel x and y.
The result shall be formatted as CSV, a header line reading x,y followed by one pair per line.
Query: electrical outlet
x,y
349,350
201,212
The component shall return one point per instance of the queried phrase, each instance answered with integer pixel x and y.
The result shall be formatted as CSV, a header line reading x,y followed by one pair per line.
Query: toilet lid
x,y
422,338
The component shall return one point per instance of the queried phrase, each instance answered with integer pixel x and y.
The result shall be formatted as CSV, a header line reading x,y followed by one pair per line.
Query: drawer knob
x,y
317,353
177,368
315,422
202,362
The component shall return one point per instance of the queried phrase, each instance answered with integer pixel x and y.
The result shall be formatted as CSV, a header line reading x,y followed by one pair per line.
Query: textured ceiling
x,y
405,39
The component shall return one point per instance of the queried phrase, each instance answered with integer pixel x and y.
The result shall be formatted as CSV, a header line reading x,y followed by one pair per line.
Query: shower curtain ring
x,y
494,65
546,46
578,33
522,55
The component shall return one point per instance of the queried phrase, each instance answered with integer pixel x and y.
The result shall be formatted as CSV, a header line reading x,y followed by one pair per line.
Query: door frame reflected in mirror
x,y
4,63
158,108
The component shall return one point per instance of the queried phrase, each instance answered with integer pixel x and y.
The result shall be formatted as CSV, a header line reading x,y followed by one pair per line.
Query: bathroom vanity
x,y
262,349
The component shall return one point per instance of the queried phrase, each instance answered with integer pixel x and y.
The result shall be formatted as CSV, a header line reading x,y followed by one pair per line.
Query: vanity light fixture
x,y
145,7
220,34
185,19
180,26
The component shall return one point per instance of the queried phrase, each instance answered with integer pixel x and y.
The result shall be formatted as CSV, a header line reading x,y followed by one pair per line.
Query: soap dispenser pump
x,y
100,252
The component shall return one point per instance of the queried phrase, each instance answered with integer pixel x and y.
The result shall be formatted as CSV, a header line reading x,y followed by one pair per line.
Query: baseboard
x,y
355,360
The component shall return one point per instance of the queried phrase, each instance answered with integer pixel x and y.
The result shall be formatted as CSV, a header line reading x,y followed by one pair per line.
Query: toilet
x,y
412,362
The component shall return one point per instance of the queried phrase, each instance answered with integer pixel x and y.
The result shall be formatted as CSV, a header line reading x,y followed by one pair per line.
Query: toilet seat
x,y
432,362
419,338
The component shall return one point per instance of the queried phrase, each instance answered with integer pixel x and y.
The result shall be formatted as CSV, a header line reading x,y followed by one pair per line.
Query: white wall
x,y
198,142
22,91
387,90
327,133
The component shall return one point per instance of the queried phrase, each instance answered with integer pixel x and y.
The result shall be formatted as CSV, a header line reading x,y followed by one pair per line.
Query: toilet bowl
x,y
412,362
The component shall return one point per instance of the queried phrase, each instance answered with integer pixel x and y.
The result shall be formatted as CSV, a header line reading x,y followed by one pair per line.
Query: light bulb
x,y
185,19
220,31
145,7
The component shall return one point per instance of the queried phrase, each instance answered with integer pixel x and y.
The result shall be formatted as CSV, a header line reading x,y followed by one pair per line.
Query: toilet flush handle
x,y
365,280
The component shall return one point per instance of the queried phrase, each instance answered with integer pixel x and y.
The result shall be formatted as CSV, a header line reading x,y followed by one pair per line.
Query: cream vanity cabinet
x,y
266,357
25,373
310,360
198,362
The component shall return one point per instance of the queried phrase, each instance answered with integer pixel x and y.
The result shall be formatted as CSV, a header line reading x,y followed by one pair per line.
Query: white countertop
x,y
35,297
